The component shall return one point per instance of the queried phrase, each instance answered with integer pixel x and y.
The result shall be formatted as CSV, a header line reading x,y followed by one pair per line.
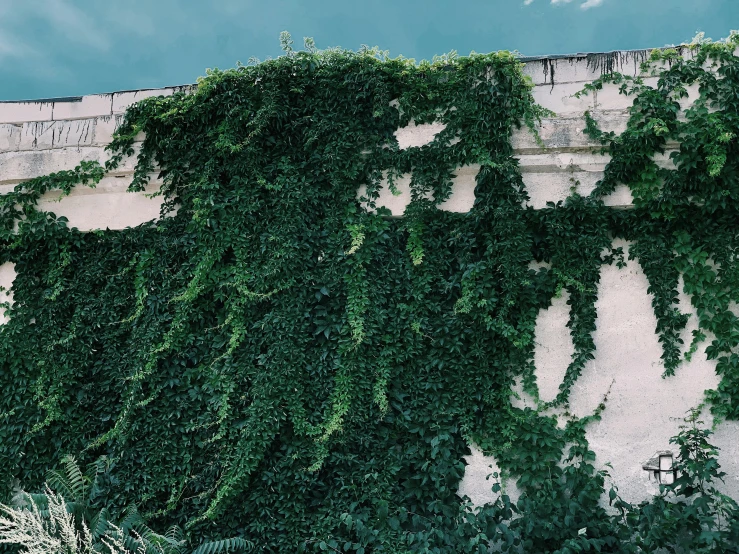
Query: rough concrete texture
x,y
460,200
107,206
7,276
414,135
478,480
643,409
553,346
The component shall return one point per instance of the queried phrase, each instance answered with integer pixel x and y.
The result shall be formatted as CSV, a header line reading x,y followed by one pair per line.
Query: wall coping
x,y
544,70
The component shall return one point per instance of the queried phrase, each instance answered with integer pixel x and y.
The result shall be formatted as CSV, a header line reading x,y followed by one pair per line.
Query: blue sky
x,y
52,48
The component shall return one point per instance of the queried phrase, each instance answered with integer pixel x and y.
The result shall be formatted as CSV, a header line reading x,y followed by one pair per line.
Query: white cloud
x,y
527,2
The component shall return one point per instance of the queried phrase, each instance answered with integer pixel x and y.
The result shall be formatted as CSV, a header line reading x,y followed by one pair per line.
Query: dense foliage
x,y
67,518
276,361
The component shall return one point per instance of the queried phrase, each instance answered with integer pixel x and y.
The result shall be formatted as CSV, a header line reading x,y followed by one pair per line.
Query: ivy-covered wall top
x,y
277,359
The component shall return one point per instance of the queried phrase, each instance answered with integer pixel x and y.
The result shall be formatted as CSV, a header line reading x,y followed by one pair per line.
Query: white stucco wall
x,y
643,411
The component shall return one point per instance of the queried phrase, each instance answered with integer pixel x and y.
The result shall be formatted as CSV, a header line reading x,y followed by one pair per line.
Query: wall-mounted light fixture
x,y
661,467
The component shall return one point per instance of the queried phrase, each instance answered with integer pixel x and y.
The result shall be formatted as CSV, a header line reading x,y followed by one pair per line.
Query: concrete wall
x,y
643,411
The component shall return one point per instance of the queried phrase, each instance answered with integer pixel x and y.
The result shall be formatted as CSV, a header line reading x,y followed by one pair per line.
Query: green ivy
x,y
278,359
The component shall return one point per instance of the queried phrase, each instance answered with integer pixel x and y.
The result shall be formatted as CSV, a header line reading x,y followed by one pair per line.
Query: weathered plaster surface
x,y
7,276
643,409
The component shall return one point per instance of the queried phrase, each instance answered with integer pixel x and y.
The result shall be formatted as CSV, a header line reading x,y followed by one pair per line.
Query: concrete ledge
x,y
107,206
87,106
19,112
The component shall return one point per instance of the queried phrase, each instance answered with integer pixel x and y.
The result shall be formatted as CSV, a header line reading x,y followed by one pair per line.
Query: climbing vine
x,y
277,358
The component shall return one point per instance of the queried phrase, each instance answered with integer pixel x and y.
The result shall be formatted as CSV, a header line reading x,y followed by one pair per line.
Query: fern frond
x,y
25,499
175,534
176,542
57,481
35,502
235,544
127,544
94,470
76,508
72,483
100,524
139,535
75,478
131,519
133,544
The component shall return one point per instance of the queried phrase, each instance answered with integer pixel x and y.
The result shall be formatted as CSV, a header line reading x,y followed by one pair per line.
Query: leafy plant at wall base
x,y
67,518
690,515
